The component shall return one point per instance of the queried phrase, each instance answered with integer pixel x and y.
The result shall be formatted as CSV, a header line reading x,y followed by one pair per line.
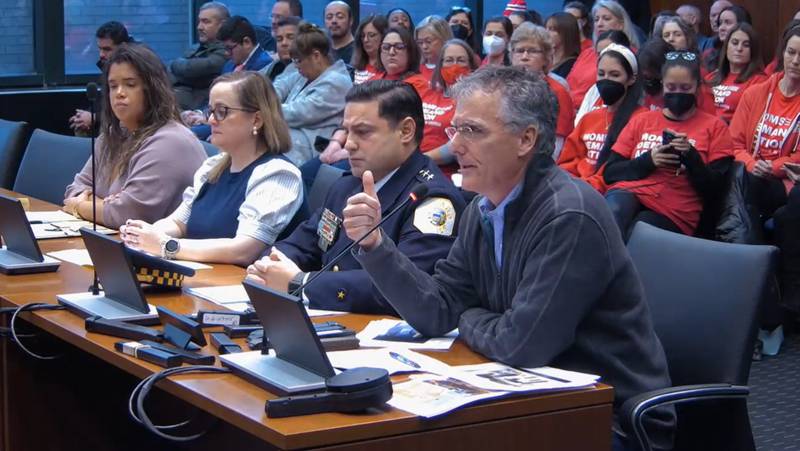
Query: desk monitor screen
x,y
114,269
289,329
16,231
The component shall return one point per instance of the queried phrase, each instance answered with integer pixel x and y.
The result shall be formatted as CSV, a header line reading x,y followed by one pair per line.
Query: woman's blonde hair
x,y
436,25
255,94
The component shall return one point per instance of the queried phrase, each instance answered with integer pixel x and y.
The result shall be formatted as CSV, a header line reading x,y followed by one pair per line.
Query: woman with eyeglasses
x,y
607,15
565,35
399,17
431,34
241,199
532,48
369,36
313,94
463,27
496,33
145,155
765,130
668,164
740,67
728,19
457,60
588,147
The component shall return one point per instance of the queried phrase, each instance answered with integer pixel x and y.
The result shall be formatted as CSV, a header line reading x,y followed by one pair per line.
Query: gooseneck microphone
x,y
414,196
92,94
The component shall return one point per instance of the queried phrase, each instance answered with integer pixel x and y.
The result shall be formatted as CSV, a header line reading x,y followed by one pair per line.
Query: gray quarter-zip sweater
x,y
567,293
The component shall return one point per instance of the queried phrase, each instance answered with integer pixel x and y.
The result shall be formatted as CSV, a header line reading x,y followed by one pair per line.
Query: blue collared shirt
x,y
494,218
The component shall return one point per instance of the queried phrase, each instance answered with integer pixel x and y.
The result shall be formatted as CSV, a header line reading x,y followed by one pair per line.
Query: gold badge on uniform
x,y
328,229
435,215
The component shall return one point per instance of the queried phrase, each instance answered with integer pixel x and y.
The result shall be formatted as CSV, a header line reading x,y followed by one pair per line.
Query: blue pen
x,y
404,360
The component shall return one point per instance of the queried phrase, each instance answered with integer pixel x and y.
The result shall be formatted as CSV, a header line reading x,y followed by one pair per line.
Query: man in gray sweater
x,y
539,274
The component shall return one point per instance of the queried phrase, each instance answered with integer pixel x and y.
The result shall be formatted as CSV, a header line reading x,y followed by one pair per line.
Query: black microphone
x,y
92,94
419,192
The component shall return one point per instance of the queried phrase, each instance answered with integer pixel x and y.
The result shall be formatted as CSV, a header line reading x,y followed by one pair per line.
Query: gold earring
x,y
255,130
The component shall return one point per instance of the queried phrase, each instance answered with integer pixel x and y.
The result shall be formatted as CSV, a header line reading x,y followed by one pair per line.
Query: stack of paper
x,y
64,229
49,216
234,297
395,333
81,257
392,360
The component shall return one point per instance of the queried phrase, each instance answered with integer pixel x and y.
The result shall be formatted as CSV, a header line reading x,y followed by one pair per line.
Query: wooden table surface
x,y
241,403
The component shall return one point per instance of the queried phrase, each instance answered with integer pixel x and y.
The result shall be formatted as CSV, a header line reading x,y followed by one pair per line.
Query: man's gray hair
x,y
525,99
221,8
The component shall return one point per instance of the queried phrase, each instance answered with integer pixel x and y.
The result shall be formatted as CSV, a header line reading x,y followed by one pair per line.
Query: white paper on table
x,y
429,396
497,376
191,265
234,297
63,229
75,256
379,327
49,216
382,358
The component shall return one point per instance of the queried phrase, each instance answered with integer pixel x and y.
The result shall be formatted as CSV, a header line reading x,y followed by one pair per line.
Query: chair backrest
x,y
211,149
13,138
704,298
326,177
50,164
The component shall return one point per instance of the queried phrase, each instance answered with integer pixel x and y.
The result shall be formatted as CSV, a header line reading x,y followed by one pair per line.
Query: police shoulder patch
x,y
435,215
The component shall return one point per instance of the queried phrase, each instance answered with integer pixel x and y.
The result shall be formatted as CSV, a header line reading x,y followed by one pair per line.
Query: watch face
x,y
171,246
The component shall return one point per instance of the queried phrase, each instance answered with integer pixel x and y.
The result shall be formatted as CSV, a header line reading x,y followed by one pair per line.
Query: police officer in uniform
x,y
384,121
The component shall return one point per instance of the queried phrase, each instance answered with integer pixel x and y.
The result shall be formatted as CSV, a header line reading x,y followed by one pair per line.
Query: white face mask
x,y
493,45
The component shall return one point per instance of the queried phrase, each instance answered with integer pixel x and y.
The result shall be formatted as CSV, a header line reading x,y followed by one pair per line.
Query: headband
x,y
625,52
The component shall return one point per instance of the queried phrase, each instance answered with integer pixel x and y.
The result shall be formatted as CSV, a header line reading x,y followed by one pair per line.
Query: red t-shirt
x,y
771,67
582,147
728,93
582,76
367,74
416,80
777,133
438,110
566,111
425,71
663,191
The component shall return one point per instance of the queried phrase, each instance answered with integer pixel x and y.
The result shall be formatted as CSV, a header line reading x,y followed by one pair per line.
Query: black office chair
x,y
13,138
210,149
50,164
326,177
704,298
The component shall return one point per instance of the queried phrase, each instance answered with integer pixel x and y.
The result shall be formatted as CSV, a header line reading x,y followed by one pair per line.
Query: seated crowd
x,y
566,130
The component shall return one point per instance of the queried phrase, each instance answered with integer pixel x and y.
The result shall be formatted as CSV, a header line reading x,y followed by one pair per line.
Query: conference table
x,y
79,400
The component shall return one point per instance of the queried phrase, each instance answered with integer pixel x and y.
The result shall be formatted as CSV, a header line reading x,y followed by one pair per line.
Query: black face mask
x,y
679,103
460,31
652,86
610,91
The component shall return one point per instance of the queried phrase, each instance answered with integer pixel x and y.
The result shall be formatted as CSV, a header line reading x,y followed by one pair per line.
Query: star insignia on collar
x,y
341,294
426,174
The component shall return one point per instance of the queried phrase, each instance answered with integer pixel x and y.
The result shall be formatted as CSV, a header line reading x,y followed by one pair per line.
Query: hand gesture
x,y
363,211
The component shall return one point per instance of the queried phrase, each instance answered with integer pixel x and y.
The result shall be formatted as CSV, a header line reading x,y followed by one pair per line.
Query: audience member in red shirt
x,y
531,47
667,185
588,146
581,12
431,34
456,60
369,36
740,67
765,129
496,33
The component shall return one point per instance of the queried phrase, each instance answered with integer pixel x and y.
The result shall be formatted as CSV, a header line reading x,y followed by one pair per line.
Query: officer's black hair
x,y
235,29
397,100
115,31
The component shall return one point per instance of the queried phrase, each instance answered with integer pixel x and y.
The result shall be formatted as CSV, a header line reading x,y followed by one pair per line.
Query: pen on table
x,y
404,360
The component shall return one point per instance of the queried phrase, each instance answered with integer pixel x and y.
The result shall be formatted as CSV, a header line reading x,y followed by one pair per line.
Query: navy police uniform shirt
x,y
424,231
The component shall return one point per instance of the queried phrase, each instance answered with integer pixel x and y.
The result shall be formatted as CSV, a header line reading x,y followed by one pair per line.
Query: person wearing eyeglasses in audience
x,y
496,33
313,95
145,155
455,62
531,47
668,164
740,66
588,147
285,32
463,26
369,36
607,15
399,17
384,121
240,200
431,34
765,130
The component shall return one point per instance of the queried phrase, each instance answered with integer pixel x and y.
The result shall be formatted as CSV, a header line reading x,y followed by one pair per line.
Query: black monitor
x,y
16,231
